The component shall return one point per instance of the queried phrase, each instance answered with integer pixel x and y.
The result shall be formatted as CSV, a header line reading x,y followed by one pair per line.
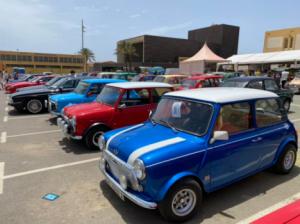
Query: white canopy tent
x,y
264,58
198,62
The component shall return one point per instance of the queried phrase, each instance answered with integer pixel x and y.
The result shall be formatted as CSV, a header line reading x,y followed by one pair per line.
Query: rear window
x,y
267,112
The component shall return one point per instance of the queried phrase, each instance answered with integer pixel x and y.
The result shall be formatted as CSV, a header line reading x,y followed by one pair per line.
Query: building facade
x,y
167,51
41,62
282,40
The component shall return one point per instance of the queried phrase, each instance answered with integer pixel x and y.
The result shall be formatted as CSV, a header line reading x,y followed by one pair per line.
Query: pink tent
x,y
198,62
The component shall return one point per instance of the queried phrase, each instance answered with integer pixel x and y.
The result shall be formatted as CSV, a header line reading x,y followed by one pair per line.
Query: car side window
x,y
136,97
69,84
158,92
234,118
96,88
267,112
255,85
271,85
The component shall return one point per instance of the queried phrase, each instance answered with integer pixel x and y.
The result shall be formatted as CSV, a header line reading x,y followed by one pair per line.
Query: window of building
x,y
234,118
285,43
267,112
291,42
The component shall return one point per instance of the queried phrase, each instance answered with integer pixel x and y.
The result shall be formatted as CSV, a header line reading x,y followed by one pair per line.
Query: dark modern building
x,y
166,51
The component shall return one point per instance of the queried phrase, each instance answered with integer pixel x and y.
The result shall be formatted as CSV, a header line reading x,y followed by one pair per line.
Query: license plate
x,y
115,189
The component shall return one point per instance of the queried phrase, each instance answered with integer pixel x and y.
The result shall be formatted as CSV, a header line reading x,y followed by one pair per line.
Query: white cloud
x,y
133,16
166,29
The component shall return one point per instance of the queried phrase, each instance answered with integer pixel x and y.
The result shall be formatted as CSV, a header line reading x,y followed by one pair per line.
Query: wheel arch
x,y
95,125
288,141
176,179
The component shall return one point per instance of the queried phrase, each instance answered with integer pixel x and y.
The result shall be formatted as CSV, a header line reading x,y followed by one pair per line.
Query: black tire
x,y
287,105
20,109
34,106
91,138
287,160
169,206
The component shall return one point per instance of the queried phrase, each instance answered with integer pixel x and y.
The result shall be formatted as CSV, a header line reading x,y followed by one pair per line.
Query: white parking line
x,y
3,137
6,109
295,120
5,118
270,209
1,176
49,168
33,133
25,117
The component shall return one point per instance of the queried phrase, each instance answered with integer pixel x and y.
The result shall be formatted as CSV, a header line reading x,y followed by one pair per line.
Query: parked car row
x,y
163,149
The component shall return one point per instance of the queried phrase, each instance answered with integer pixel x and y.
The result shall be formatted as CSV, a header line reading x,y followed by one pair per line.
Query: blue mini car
x,y
86,91
197,141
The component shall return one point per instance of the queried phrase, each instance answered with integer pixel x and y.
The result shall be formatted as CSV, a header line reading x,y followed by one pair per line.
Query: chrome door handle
x,y
257,139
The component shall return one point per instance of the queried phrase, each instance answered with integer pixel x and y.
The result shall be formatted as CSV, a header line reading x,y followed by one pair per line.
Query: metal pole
x,y
82,37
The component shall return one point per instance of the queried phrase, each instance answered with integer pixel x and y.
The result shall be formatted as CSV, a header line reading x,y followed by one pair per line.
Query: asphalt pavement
x,y
36,160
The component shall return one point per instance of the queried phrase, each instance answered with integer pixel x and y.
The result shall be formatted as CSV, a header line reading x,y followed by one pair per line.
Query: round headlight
x,y
123,181
73,121
101,142
139,169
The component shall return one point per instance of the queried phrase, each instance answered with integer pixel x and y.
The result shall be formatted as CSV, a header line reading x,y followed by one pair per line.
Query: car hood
x,y
164,143
87,109
38,91
67,97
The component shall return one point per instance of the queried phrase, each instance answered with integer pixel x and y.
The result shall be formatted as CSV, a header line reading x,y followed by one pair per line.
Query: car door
x,y
238,156
133,108
270,128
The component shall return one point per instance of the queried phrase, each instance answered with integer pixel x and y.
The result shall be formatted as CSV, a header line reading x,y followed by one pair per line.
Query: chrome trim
x,y
130,196
62,124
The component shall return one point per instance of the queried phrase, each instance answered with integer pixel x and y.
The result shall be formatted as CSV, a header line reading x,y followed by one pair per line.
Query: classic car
x,y
143,78
39,80
124,75
174,80
263,83
118,105
49,83
228,75
86,92
105,75
36,100
197,141
201,81
25,78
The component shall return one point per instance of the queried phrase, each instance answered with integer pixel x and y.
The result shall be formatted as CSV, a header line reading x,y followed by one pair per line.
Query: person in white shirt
x,y
284,78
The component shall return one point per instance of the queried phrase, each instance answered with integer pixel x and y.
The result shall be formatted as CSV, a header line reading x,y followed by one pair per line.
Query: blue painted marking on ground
x,y
50,197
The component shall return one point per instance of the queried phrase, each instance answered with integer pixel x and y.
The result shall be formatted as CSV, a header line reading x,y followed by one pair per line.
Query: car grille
x,y
117,167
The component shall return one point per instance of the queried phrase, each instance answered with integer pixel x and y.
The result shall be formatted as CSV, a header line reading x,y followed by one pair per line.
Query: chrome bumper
x,y
123,193
64,126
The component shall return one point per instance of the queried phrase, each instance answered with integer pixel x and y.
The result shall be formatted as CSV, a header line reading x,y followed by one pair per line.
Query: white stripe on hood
x,y
149,148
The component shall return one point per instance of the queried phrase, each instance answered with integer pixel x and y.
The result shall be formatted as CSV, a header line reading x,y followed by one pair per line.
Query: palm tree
x,y
128,51
88,56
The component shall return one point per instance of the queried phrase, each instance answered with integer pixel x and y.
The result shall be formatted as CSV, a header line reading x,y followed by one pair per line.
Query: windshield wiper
x,y
169,125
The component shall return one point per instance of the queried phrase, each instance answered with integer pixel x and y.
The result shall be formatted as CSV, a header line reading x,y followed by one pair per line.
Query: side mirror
x,y
122,106
219,135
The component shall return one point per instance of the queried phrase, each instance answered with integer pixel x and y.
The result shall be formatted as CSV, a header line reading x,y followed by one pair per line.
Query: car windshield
x,y
109,95
189,83
159,79
232,83
81,88
52,81
179,114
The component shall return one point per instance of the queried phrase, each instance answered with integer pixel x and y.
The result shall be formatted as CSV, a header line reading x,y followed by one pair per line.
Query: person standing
x,y
1,80
284,78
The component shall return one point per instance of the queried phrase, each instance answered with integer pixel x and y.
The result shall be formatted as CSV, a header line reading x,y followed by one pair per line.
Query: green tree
x,y
88,56
128,51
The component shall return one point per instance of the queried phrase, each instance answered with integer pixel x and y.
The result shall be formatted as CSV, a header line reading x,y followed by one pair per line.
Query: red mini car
x,y
118,105
201,81
39,80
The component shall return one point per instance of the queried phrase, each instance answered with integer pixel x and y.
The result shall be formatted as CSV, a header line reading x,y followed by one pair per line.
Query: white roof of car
x,y
131,85
223,94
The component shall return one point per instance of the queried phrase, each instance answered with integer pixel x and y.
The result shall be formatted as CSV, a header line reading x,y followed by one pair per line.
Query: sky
x,y
54,26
